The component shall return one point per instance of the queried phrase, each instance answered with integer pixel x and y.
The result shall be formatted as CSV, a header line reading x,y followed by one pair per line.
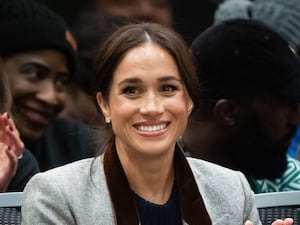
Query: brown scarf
x,y
191,203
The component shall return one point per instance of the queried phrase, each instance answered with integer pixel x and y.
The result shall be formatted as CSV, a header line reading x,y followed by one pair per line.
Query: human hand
x,y
11,148
287,221
8,166
10,136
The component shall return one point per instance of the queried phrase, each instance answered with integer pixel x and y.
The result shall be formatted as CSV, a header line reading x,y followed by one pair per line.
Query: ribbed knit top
x,y
154,214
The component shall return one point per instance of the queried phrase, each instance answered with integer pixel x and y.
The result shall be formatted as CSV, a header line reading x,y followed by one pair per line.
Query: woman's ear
x,y
190,106
103,105
226,112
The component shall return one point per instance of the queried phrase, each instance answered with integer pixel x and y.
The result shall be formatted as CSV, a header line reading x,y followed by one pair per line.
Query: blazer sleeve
x,y
44,203
251,212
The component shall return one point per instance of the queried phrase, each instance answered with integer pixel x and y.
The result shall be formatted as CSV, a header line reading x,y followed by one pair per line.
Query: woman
x,y
145,85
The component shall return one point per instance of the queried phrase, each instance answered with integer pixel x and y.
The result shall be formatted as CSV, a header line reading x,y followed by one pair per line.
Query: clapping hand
x,y
287,221
11,148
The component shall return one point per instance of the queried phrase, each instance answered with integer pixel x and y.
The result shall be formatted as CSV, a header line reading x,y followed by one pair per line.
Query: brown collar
x,y
191,203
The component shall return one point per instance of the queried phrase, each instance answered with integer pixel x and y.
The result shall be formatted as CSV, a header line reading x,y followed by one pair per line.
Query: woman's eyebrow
x,y
130,80
138,80
167,78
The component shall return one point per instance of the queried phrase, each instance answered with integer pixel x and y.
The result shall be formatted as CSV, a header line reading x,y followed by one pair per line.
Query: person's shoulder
x,y
27,167
29,159
213,173
79,166
209,167
78,170
221,187
293,165
84,173
289,180
293,161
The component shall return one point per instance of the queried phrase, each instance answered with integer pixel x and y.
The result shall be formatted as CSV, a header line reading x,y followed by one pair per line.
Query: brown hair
x,y
131,36
5,94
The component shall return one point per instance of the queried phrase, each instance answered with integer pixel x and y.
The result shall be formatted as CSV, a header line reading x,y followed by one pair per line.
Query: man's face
x,y
263,134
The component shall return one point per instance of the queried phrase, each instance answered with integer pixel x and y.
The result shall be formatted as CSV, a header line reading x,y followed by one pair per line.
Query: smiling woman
x,y
146,86
147,100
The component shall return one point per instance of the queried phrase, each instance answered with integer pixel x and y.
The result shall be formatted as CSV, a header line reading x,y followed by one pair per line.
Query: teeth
x,y
151,128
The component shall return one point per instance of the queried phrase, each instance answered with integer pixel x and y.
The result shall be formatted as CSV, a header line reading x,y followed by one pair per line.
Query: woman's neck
x,y
152,179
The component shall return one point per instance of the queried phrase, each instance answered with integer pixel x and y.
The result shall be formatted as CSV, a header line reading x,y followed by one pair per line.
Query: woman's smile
x,y
151,128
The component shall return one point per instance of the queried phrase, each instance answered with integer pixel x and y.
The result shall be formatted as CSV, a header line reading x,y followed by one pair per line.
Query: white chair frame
x,y
11,199
273,199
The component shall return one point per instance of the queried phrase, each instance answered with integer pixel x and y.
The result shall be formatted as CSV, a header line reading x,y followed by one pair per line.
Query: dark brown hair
x,y
5,94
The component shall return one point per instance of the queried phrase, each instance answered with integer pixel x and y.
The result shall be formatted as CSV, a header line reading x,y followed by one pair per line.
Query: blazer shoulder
x,y
211,171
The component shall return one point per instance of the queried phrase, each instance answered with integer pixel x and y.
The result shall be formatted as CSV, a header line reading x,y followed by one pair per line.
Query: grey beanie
x,y
232,9
281,15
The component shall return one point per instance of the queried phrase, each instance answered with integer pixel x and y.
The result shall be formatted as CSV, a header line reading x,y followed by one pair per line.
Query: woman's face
x,y
38,81
148,105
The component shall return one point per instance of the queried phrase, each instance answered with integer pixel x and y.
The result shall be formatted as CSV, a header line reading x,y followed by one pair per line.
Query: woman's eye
x,y
169,88
130,90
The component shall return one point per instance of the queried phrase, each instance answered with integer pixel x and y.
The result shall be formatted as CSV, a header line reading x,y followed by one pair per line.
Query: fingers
x,y
14,141
8,166
287,221
12,124
10,135
3,123
13,160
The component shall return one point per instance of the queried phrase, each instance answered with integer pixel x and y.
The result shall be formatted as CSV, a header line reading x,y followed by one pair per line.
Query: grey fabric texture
x,y
77,193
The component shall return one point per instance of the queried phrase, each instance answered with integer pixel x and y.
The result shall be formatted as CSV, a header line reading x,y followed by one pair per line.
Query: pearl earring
x,y
107,120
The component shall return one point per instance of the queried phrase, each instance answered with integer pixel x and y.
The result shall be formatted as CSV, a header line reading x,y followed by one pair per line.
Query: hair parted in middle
x,y
133,35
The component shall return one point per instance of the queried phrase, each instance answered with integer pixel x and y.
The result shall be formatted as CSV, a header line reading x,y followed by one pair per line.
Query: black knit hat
x,y
239,57
27,25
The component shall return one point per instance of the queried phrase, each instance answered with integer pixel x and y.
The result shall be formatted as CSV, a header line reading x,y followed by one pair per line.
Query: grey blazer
x,y
77,193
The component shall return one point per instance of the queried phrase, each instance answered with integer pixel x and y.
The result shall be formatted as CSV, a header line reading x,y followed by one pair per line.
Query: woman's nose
x,y
151,105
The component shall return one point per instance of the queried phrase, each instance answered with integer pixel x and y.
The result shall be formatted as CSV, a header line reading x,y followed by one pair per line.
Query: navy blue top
x,y
154,214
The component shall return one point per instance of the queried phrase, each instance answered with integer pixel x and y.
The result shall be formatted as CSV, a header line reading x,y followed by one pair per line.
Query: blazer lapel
x,y
119,189
191,203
